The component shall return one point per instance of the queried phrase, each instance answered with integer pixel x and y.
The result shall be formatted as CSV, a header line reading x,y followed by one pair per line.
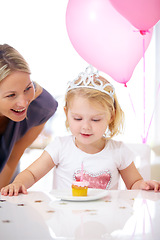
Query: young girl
x,y
93,116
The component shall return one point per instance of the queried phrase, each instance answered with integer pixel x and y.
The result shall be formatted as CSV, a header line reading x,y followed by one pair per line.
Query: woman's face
x,y
16,93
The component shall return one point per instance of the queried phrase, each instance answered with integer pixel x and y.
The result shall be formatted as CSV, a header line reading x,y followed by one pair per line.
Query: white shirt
x,y
100,169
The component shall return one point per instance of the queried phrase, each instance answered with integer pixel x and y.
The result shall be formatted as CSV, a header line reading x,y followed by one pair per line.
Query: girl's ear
x,y
112,118
65,110
66,122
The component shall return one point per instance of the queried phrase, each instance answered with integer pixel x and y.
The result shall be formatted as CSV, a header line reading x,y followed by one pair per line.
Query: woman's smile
x,y
19,112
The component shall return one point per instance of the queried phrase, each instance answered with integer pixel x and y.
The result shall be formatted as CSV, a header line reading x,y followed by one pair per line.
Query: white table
x,y
122,214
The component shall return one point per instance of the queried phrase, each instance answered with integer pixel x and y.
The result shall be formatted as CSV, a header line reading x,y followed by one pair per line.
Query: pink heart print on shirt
x,y
100,180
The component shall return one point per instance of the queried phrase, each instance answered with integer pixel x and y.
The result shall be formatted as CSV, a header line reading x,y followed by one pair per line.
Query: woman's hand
x,y
13,189
147,185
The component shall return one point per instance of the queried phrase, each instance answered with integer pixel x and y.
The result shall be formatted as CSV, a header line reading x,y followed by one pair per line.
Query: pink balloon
x,y
104,38
143,14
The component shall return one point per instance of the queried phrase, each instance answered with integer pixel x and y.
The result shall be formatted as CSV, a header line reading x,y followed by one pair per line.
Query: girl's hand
x,y
13,189
152,185
147,185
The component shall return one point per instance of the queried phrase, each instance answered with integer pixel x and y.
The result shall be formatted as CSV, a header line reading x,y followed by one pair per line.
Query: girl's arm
x,y
29,176
133,179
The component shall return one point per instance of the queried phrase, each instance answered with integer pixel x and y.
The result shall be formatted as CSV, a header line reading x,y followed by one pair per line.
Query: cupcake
x,y
80,188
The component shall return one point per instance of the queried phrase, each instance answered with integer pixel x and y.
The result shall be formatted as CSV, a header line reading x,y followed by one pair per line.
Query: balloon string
x,y
132,104
133,107
152,113
144,88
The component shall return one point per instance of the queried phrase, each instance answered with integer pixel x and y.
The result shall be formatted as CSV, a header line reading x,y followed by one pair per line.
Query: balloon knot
x,y
143,32
125,85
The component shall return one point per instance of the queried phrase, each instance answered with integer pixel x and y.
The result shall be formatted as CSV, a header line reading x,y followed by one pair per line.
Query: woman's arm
x,y
29,176
133,179
17,152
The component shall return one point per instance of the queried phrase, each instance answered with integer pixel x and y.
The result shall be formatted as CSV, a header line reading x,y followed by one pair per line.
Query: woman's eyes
x,y
10,95
13,94
28,88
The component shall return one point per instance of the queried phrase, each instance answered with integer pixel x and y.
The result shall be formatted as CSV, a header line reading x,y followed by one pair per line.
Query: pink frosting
x,y
81,183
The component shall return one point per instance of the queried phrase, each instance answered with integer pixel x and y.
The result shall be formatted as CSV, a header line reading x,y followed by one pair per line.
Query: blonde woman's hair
x,y
95,96
11,60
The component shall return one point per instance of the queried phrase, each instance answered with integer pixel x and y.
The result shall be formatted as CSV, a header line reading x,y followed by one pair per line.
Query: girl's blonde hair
x,y
11,60
111,106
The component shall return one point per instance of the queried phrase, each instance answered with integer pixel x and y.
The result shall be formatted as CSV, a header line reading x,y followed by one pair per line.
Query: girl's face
x,y
16,93
87,121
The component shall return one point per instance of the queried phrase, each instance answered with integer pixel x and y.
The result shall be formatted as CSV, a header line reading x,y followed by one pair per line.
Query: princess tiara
x,y
87,80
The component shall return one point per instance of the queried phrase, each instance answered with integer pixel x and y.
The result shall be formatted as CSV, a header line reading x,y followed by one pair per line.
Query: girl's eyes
x,y
78,119
94,120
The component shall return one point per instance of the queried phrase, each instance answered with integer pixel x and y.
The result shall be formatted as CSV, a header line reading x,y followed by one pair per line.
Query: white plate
x,y
93,194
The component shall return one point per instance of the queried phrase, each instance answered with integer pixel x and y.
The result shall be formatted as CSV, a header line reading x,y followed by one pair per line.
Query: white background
x,y
37,29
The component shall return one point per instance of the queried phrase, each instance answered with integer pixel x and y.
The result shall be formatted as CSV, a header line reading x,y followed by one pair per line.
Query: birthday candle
x,y
81,179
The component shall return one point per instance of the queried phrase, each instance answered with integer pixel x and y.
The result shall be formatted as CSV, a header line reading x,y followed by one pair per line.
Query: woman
x,y
24,109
